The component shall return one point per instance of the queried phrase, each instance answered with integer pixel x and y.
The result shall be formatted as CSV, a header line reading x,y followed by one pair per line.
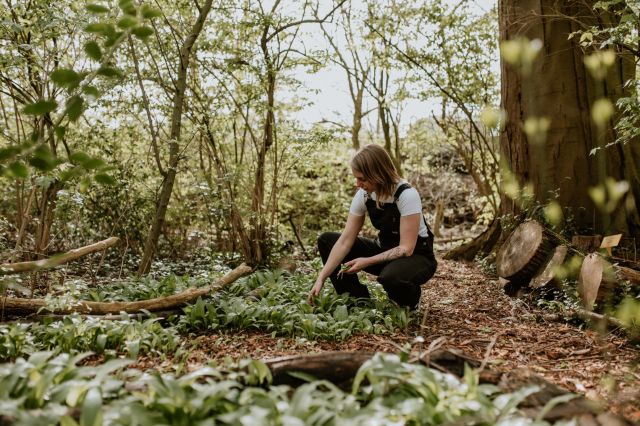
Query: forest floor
x,y
463,308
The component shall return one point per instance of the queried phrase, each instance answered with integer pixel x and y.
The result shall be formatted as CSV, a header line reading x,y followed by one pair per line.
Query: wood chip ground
x,y
467,310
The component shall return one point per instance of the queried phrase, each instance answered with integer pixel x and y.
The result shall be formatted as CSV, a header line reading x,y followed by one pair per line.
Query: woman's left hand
x,y
356,265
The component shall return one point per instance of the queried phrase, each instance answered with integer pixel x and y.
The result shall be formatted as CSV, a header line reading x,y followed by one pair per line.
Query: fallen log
x,y
13,305
524,252
341,367
56,260
337,367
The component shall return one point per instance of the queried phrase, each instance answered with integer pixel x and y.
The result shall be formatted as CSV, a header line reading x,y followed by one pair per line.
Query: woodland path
x,y
468,311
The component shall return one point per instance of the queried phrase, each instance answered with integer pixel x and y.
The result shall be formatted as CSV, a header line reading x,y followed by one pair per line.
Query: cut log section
x,y
595,274
523,253
547,274
13,305
598,278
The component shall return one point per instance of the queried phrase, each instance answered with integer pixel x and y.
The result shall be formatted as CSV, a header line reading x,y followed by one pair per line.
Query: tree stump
x,y
523,253
547,274
586,243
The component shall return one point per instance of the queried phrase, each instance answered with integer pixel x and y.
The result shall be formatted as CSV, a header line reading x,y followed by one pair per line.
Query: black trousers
x,y
401,278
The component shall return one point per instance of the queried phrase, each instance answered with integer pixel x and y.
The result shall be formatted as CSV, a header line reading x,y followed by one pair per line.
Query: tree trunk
x,y
258,231
47,211
357,117
174,145
560,88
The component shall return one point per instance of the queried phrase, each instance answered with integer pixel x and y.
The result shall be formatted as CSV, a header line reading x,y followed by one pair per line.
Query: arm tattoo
x,y
395,253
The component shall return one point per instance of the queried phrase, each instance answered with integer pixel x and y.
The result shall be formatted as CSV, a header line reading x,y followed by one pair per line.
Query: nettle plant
x,y
386,390
276,302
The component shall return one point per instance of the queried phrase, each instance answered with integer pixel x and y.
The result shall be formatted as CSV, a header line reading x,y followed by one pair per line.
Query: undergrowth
x,y
47,389
271,301
278,304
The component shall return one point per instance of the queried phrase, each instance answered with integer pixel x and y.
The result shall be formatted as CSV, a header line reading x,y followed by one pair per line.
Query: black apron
x,y
386,220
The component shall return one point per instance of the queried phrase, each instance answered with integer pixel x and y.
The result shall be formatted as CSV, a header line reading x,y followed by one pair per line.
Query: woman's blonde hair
x,y
376,165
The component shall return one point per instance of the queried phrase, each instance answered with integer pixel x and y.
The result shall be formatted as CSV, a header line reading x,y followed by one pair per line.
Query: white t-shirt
x,y
408,203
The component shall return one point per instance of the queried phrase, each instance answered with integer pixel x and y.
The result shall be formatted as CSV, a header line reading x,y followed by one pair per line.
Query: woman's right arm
x,y
338,252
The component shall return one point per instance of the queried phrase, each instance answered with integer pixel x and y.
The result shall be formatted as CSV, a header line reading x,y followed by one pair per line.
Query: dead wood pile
x,y
534,258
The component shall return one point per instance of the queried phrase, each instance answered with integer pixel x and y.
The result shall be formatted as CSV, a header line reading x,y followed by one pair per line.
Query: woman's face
x,y
362,182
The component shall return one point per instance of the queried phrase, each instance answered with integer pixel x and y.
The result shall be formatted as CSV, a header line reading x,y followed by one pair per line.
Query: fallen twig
x,y
37,265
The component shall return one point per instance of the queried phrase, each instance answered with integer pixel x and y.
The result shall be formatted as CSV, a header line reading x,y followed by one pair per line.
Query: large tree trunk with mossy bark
x,y
561,89
575,155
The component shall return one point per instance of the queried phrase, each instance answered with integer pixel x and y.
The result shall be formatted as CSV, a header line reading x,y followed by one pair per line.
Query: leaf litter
x,y
464,309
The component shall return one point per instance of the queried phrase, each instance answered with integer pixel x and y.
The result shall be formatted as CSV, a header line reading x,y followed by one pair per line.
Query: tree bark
x,y
560,88
151,243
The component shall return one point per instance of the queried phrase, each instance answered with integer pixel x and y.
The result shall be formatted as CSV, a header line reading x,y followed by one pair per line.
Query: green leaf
x,y
84,184
150,12
19,170
74,394
9,152
98,28
92,49
101,343
75,107
79,157
71,173
105,179
128,7
109,72
113,39
91,91
91,408
65,77
60,131
97,8
40,107
94,163
341,313
127,22
67,421
43,159
142,32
